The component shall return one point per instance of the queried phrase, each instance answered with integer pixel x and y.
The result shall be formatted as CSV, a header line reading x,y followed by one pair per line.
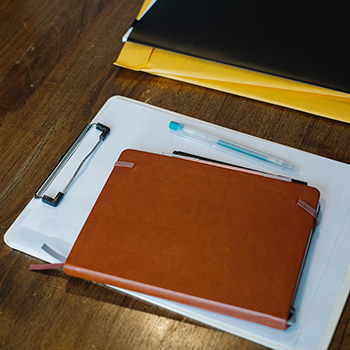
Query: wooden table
x,y
56,72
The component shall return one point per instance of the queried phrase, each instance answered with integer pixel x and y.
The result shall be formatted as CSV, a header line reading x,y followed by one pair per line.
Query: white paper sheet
x,y
133,124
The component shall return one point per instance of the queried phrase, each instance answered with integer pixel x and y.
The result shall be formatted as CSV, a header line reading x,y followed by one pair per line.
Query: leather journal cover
x,y
245,81
198,234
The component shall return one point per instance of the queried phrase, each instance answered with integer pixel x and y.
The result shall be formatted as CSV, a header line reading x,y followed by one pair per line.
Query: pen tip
x,y
174,126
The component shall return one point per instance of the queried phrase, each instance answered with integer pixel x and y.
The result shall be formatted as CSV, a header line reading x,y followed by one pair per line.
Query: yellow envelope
x,y
259,86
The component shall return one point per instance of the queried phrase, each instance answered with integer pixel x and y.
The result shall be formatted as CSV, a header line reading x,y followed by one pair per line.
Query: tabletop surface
x,y
56,72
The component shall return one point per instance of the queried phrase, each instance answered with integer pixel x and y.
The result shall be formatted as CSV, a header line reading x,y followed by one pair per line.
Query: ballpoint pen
x,y
212,140
206,160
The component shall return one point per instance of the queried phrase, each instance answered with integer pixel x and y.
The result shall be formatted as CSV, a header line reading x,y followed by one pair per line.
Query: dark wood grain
x,y
56,72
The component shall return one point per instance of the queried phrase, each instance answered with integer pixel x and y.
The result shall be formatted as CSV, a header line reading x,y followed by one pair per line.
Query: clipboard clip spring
x,y
54,201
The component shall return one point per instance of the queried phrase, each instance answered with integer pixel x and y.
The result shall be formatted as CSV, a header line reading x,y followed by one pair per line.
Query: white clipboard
x,y
325,283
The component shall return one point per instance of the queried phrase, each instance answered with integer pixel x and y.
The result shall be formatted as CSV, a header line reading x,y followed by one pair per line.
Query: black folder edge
x,y
333,81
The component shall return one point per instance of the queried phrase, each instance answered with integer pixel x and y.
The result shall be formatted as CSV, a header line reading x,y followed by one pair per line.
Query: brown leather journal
x,y
198,234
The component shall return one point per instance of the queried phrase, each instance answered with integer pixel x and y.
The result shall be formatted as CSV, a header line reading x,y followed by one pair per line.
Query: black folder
x,y
305,40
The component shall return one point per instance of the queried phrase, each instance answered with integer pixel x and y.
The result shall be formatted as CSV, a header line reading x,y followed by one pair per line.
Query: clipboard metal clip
x,y
54,201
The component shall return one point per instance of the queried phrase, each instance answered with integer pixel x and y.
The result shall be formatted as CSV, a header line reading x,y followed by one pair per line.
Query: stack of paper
x,y
286,56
